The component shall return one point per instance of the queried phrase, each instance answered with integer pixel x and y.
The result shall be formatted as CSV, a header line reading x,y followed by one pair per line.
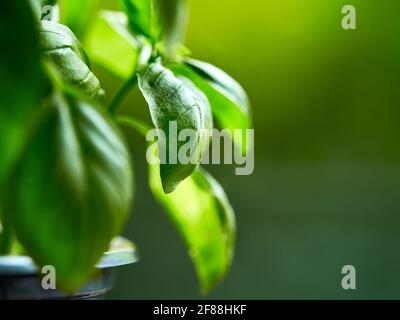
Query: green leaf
x,y
143,18
154,19
20,78
175,105
173,21
78,14
111,45
36,6
71,190
203,215
228,100
64,49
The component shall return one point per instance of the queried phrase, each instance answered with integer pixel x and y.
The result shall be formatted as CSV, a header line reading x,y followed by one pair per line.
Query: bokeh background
x,y
326,188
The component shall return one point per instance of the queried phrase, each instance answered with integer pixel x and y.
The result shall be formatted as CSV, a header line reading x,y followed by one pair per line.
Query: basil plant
x,y
66,175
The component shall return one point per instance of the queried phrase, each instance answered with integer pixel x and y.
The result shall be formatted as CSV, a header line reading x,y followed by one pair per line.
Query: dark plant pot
x,y
19,278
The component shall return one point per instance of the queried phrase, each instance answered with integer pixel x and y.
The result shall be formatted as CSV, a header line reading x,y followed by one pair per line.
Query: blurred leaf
x,y
20,78
9,245
143,18
78,14
173,21
173,101
111,45
36,6
71,190
203,215
64,49
5,238
155,18
228,100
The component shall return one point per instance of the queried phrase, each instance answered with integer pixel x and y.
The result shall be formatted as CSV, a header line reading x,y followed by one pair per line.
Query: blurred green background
x,y
325,191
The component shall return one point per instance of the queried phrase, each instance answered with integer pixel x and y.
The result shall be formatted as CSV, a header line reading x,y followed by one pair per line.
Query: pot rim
x,y
23,265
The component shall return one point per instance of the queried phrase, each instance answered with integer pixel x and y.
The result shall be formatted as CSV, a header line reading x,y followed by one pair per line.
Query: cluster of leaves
x,y
65,173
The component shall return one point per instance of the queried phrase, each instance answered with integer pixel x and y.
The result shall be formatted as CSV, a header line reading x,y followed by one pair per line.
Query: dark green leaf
x,y
143,17
172,100
228,100
111,45
48,2
71,190
203,215
64,49
20,78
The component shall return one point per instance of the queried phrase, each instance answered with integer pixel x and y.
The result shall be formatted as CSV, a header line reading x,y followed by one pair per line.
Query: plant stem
x,y
121,94
135,124
145,54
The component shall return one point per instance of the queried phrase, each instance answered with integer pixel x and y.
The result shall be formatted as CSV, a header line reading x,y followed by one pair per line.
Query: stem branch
x,y
145,53
121,94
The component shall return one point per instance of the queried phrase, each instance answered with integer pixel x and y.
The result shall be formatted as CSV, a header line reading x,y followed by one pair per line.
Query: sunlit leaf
x,y
158,20
78,15
64,49
143,17
222,82
20,78
176,105
71,190
201,212
110,44
228,100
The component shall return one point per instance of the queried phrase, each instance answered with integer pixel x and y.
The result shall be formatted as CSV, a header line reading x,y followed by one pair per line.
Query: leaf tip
x,y
169,186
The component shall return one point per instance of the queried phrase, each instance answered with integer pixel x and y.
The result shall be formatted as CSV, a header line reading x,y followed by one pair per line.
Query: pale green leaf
x,y
176,105
64,49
